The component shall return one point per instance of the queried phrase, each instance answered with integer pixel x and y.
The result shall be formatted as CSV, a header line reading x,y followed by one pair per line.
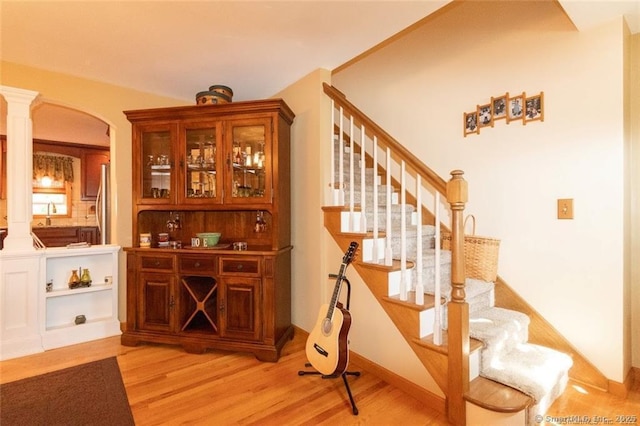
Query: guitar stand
x,y
346,373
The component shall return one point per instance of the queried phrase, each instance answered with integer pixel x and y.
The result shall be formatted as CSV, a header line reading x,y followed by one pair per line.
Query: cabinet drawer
x,y
197,264
240,265
156,263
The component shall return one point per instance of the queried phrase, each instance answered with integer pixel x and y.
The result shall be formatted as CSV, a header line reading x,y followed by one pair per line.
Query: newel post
x,y
458,309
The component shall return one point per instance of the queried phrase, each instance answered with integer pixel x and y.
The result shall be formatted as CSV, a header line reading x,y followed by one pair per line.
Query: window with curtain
x,y
54,167
52,180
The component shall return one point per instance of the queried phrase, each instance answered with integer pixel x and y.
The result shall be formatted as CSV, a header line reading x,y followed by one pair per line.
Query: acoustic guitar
x,y
327,345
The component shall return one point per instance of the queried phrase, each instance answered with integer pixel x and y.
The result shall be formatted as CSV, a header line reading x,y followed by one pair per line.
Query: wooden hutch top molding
x,y
196,111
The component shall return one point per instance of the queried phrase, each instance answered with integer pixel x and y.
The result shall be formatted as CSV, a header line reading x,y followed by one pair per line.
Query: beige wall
x,y
418,88
105,102
307,133
634,200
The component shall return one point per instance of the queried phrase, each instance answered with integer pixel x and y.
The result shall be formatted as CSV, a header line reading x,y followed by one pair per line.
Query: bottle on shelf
x,y
261,224
85,279
74,280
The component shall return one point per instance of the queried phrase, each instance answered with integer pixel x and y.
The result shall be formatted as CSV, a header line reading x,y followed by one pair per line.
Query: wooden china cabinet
x,y
211,168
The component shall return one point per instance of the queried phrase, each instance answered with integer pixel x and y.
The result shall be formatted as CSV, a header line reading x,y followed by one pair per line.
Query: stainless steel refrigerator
x,y
103,204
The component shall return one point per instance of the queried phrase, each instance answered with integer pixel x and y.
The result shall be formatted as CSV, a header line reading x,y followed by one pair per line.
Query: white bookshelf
x,y
98,303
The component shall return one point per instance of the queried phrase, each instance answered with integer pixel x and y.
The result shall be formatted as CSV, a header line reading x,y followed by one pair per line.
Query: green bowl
x,y
209,239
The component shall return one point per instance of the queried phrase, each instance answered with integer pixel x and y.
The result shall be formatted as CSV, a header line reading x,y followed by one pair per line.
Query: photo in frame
x,y
534,108
499,106
485,116
515,107
471,123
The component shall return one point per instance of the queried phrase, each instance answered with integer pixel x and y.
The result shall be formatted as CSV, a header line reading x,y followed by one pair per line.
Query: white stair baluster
x,y
419,283
388,253
403,235
352,226
341,160
363,183
437,327
375,256
332,183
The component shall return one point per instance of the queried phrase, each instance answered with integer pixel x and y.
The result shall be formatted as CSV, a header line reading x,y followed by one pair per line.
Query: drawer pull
x,y
197,264
240,266
157,263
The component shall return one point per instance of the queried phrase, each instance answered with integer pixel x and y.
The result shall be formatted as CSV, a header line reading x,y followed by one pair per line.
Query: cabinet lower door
x,y
240,313
157,304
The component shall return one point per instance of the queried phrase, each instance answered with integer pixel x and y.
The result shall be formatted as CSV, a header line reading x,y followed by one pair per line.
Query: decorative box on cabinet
x,y
97,303
215,168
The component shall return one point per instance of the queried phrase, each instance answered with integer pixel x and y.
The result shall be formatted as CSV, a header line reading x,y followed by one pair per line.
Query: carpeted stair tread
x,y
473,288
532,369
480,295
357,196
499,328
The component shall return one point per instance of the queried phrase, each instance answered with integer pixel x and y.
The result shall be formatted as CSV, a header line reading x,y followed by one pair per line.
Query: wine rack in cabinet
x,y
199,305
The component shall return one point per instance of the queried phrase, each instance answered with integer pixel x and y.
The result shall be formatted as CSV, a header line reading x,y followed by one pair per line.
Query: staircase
x,y
479,354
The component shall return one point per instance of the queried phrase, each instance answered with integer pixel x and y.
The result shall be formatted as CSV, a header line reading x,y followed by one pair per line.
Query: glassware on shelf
x,y
174,224
261,224
74,280
85,279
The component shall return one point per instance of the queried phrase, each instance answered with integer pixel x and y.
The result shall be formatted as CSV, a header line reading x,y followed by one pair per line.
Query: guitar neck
x,y
336,291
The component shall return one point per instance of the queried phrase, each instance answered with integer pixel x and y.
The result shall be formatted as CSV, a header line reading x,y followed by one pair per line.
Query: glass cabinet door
x,y
157,171
250,159
202,182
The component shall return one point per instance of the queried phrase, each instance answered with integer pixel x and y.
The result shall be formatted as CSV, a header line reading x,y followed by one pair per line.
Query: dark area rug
x,y
87,394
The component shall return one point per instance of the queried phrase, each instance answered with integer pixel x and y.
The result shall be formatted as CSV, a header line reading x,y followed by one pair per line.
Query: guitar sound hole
x,y
326,326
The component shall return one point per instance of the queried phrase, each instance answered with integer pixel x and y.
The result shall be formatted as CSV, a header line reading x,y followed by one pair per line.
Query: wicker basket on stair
x,y
480,253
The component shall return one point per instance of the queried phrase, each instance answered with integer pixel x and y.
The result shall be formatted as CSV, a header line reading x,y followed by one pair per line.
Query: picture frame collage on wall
x,y
520,107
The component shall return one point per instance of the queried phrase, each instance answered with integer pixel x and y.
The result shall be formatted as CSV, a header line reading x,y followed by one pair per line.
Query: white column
x,y
19,167
20,273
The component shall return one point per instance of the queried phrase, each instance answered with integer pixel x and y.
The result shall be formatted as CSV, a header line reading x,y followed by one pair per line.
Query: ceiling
x,y
180,48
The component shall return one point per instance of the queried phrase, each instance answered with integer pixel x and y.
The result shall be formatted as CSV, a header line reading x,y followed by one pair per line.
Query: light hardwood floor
x,y
166,385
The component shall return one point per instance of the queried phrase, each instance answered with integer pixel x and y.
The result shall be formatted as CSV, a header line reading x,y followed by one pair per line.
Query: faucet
x,y
50,207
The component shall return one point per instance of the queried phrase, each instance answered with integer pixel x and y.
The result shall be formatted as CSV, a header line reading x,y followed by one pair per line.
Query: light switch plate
x,y
565,208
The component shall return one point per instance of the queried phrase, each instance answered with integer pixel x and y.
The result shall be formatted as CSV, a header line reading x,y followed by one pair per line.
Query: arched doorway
x,y
61,130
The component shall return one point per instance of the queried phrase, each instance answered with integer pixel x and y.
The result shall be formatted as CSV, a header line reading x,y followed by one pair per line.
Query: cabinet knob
x,y
240,266
157,262
197,264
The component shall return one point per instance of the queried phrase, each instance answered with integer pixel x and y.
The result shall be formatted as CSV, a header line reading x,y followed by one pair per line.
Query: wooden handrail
x,y
412,161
